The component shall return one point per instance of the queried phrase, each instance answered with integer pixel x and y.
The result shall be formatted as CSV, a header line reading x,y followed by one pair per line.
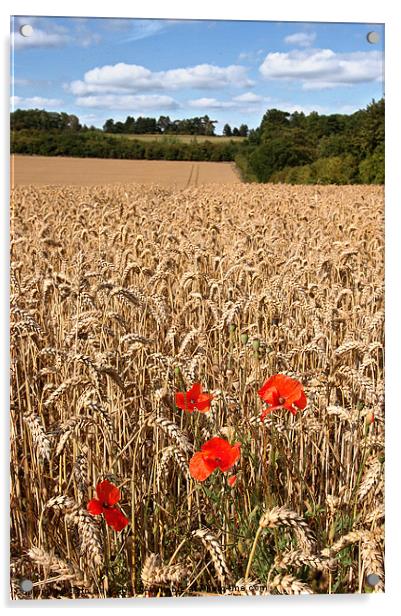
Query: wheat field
x,y
64,170
123,296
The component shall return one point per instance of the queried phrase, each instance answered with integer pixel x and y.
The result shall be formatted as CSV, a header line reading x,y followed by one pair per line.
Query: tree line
x,y
38,119
163,125
286,147
96,144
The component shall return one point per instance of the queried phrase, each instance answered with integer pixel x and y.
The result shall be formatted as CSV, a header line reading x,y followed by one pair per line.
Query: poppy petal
x,y
291,392
195,391
281,386
231,458
183,403
265,413
115,519
216,446
269,393
203,402
302,402
108,493
180,400
232,481
94,507
200,468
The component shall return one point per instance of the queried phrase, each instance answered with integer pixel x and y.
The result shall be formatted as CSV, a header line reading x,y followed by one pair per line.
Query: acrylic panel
x,y
197,308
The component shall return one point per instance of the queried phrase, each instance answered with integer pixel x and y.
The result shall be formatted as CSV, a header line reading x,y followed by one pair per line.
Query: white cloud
x,y
303,39
19,81
48,32
247,102
131,78
210,103
80,88
39,38
34,102
141,102
323,68
91,38
323,85
207,76
248,97
250,56
143,28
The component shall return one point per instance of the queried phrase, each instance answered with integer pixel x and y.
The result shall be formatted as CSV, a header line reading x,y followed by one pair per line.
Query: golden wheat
x,y
123,295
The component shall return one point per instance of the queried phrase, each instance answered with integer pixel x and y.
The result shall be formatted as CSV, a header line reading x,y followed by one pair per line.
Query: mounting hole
x,y
373,37
26,585
26,30
372,579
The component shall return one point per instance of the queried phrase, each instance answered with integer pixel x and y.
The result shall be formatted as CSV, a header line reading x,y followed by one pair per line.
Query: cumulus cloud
x,y
207,76
210,103
243,102
141,102
248,97
39,38
34,102
303,39
323,68
131,78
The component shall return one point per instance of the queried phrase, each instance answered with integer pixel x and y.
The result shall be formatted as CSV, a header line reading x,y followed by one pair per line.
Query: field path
x,y
55,170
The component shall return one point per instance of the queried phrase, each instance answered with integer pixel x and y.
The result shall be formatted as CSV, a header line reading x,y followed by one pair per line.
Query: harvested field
x,y
125,296
54,170
175,138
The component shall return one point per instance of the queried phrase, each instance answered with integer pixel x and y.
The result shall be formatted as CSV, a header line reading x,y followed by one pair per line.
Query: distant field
x,y
178,138
41,170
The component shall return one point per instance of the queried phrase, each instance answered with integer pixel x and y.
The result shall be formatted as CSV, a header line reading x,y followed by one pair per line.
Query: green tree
x,y
108,126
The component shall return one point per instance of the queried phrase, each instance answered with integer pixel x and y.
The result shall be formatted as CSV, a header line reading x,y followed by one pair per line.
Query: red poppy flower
x,y
193,399
216,453
107,497
282,392
232,481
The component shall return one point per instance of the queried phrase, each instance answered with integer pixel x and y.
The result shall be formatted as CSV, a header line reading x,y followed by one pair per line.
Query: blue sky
x,y
232,71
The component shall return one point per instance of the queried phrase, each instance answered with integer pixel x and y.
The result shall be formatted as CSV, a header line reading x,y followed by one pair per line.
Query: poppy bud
x,y
256,344
177,370
244,338
232,328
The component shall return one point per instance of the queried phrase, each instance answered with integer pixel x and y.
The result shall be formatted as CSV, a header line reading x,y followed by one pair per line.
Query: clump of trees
x,y
242,131
323,149
164,125
39,119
